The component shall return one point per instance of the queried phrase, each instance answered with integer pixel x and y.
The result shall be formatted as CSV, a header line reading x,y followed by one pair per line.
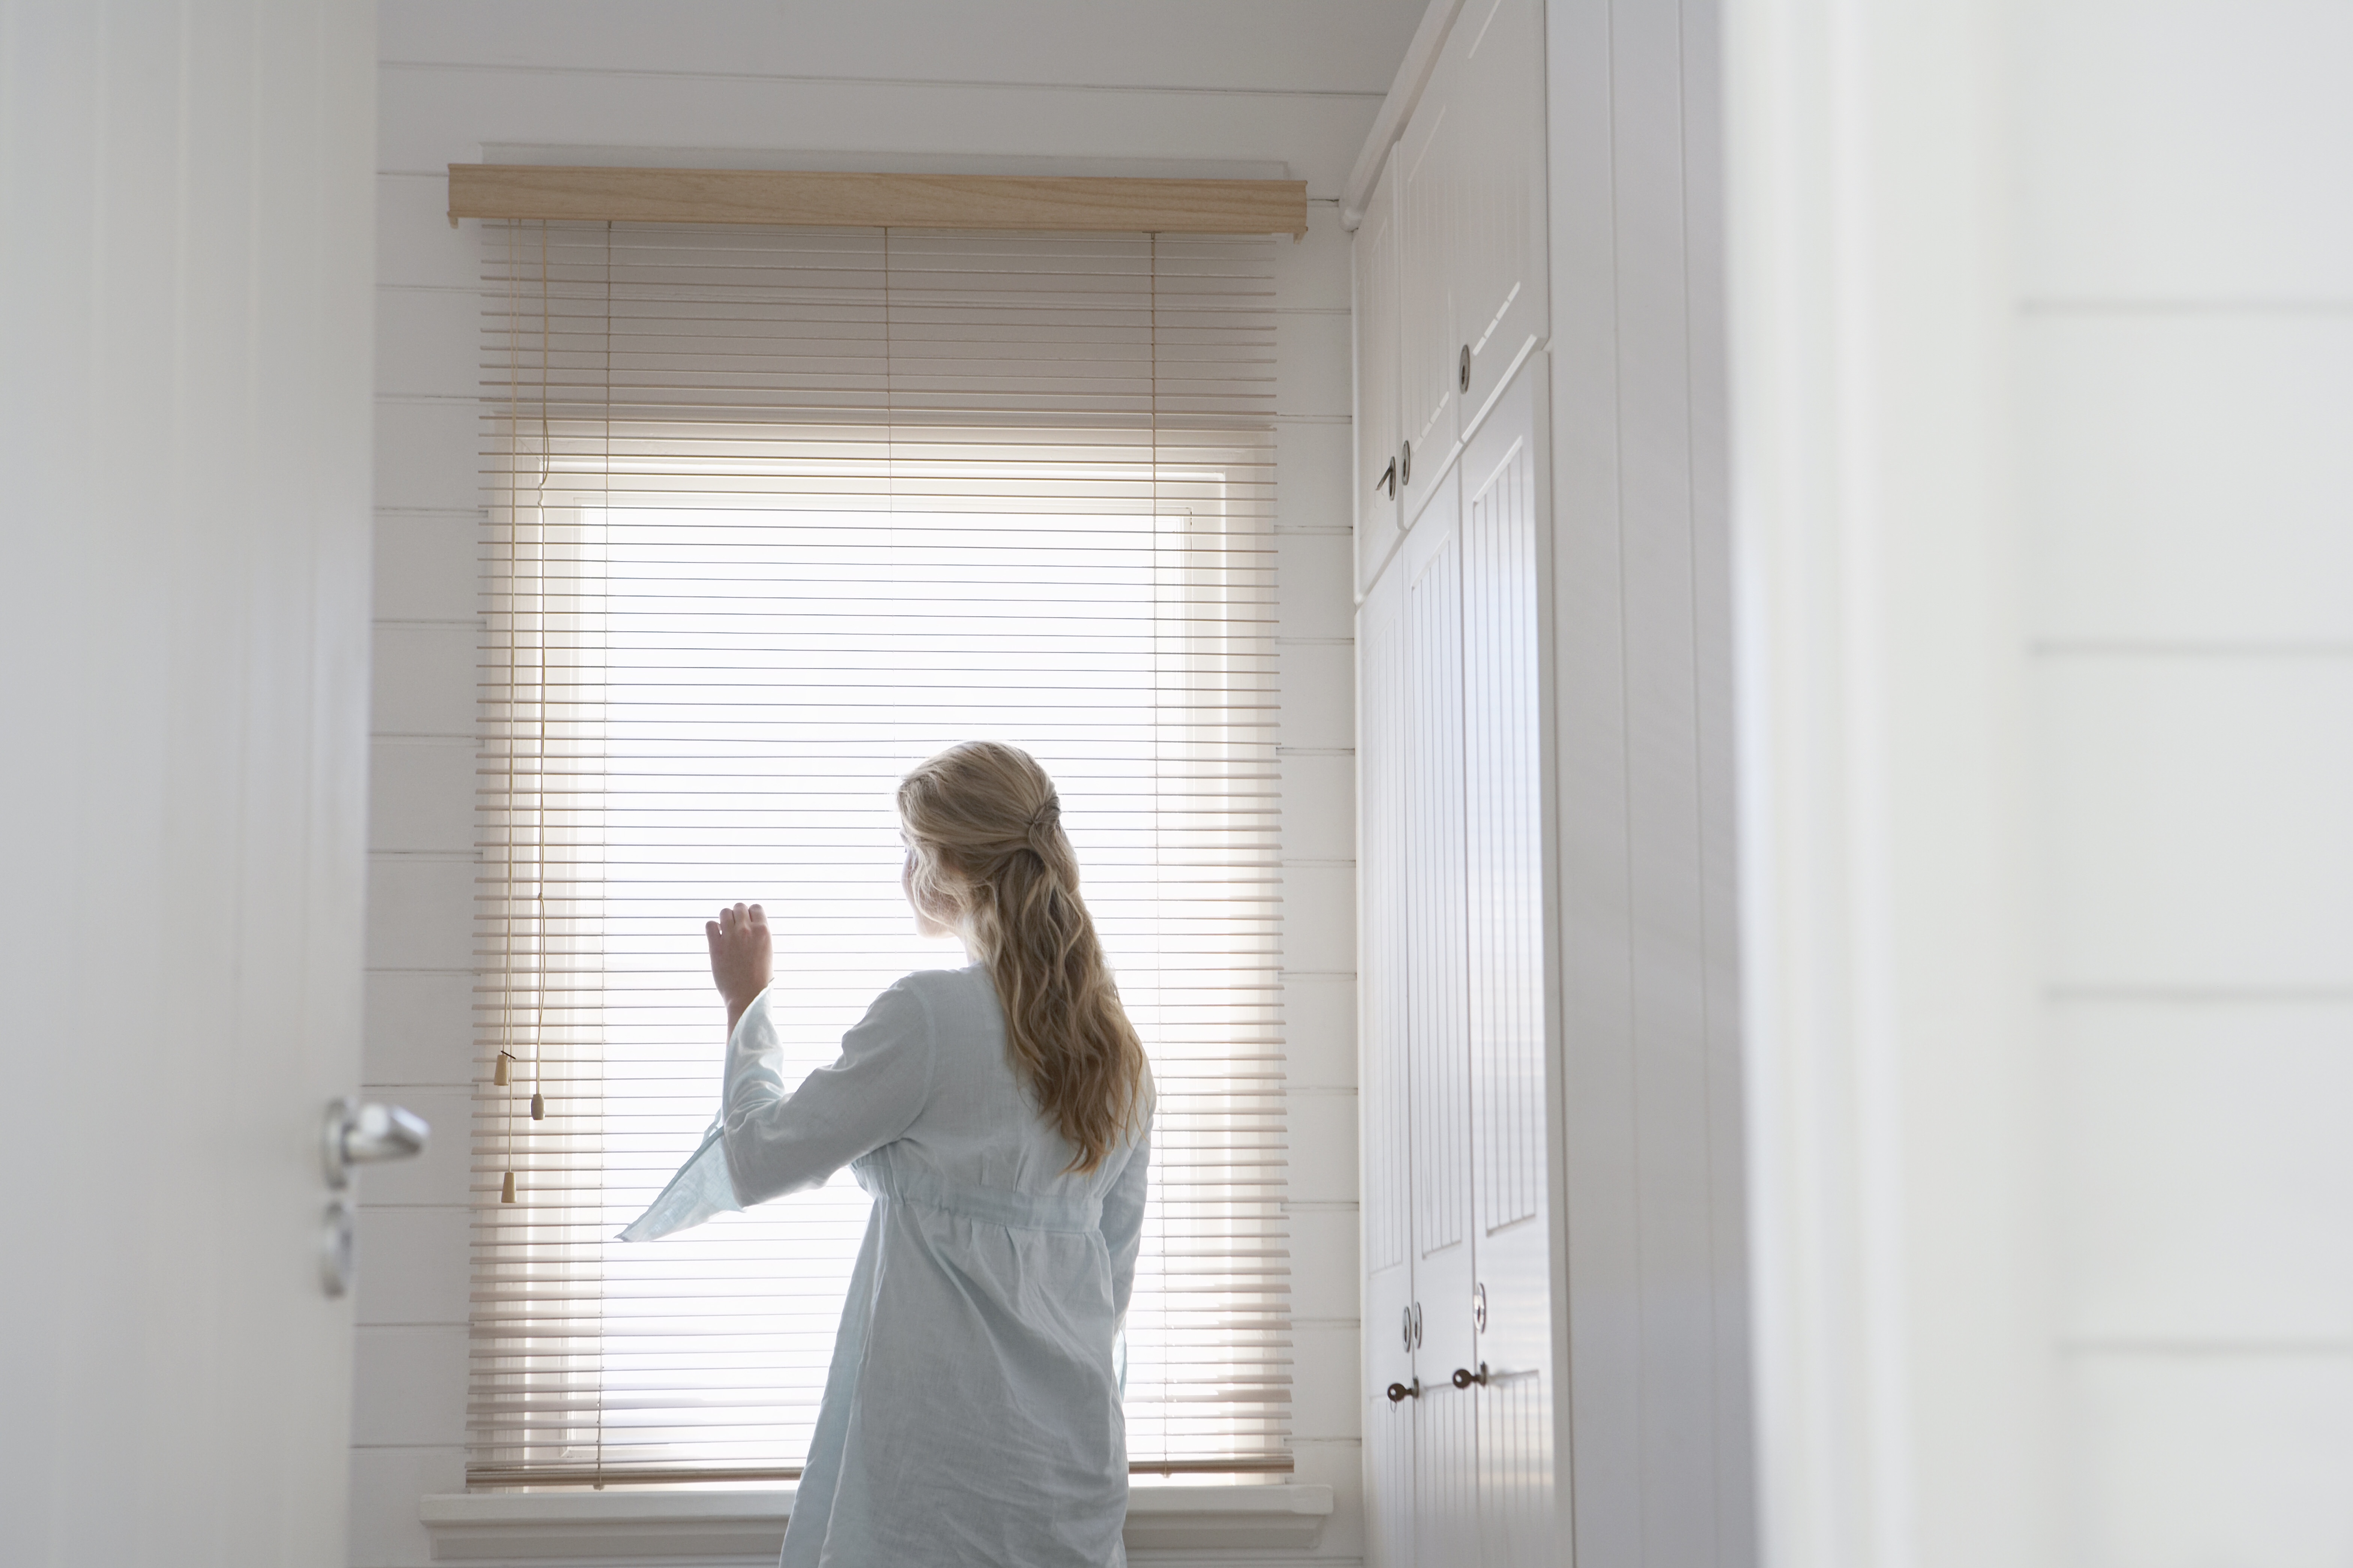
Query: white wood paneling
x,y
2179,152
2184,476
1655,1279
2205,1171
2190,805
2178,1461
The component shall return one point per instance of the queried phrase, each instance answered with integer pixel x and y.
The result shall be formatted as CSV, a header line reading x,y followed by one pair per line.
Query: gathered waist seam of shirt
x,y
991,1206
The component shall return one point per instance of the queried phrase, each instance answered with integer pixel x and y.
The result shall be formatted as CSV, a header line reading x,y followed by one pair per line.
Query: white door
x,y
185,425
1503,778
1390,1381
1438,1033
1425,163
1496,275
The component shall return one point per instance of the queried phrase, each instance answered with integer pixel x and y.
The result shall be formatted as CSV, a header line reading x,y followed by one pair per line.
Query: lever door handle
x,y
1388,481
1464,1377
364,1134
1399,1393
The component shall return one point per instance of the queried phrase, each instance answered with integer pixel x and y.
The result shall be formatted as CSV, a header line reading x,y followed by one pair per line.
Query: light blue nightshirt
x,y
972,1414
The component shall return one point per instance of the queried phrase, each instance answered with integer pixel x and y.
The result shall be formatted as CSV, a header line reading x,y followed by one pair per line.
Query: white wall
x,y
1046,84
183,471
2043,385
2184,402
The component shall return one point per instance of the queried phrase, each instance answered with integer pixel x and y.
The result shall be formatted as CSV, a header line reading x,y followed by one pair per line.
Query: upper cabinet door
x,y
1497,276
1376,380
1425,165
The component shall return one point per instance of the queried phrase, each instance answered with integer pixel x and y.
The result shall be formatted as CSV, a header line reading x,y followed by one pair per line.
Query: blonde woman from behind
x,y
999,1114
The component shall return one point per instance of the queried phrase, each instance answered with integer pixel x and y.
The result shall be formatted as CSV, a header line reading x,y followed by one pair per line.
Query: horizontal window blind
x,y
775,514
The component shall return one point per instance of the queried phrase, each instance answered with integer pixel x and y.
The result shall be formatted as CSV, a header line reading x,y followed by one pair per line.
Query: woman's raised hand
x,y
739,956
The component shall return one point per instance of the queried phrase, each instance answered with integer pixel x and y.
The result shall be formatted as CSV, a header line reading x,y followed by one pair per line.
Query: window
x,y
775,514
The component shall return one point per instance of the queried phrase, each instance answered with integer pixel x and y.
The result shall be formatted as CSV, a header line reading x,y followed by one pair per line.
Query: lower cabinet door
x,y
1446,1476
1389,1480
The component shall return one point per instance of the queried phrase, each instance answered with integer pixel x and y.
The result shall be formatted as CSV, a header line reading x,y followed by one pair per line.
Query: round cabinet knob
x,y
1464,1377
1399,1393
1463,376
1405,464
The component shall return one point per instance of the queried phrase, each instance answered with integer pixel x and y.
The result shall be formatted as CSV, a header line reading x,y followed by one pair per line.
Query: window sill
x,y
520,1527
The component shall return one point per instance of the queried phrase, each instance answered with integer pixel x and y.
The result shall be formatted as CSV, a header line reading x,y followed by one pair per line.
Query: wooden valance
x,y
878,201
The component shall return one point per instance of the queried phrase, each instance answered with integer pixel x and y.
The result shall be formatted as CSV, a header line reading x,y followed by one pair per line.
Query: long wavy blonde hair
x,y
984,825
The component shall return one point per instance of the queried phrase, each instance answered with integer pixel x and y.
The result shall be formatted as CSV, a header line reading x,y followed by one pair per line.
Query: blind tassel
x,y
506,1193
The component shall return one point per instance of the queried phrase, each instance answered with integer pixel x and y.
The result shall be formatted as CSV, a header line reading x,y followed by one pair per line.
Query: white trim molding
x,y
1405,91
657,1524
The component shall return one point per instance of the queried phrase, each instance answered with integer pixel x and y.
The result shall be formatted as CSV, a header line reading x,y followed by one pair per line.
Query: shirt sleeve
x,y
1123,1222
778,1143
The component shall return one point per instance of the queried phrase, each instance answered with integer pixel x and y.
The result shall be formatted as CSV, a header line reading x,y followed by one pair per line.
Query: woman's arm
x,y
779,1143
1123,1222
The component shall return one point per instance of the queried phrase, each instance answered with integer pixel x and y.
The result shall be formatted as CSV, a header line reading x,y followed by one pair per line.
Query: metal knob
x,y
1405,464
1463,376
1400,1391
364,1134
1464,1377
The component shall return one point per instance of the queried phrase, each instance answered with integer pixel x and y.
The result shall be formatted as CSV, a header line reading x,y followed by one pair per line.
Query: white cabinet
x,y
1468,177
1424,167
1460,1044
1498,286
1550,1071
1458,1332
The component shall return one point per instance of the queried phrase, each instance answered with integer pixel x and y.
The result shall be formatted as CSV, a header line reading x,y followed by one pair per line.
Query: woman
x,y
998,1114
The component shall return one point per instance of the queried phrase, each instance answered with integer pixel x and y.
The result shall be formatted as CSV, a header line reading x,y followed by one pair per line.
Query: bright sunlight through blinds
x,y
775,514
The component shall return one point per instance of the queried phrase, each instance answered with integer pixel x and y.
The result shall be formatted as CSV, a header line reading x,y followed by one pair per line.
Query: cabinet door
x,y
1383,1075
1424,162
1375,258
1446,1523
1496,275
1507,996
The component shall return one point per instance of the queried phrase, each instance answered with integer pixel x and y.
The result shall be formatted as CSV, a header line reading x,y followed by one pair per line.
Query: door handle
x,y
1399,1392
1388,481
352,1135
1464,1377
364,1134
